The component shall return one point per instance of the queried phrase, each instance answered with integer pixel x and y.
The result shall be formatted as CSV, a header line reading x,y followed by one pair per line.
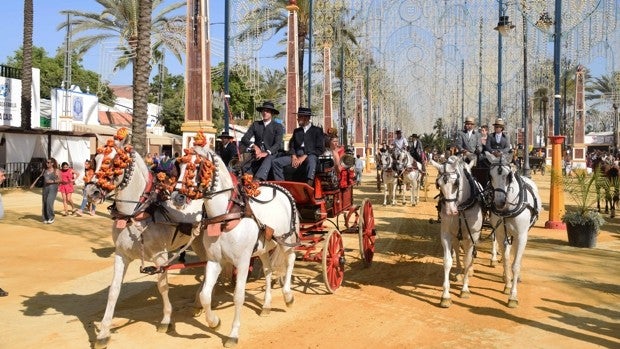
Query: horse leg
x,y
287,292
268,271
385,192
505,249
163,287
468,261
199,248
446,242
120,268
493,250
513,302
239,298
212,271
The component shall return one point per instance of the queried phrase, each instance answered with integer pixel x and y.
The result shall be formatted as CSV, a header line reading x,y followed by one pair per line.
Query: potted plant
x,y
582,221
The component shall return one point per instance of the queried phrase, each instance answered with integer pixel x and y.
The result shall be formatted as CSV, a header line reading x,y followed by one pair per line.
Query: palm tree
x,y
141,73
119,20
272,85
26,97
265,19
131,21
605,90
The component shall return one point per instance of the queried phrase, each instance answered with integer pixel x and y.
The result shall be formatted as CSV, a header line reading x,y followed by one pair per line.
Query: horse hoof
x,y
289,303
197,311
465,294
445,303
165,328
265,311
493,263
217,326
231,342
102,343
513,303
506,290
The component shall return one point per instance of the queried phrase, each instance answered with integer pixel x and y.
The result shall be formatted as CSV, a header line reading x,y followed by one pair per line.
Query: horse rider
x,y
399,142
305,147
268,136
498,142
468,140
417,152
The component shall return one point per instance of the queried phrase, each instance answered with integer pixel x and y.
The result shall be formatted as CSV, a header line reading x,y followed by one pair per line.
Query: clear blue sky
x,y
47,17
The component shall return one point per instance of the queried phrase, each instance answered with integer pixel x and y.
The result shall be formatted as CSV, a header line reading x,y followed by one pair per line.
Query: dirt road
x,y
57,277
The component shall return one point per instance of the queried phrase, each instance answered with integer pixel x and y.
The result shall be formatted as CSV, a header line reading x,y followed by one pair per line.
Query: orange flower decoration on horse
x,y
121,134
200,139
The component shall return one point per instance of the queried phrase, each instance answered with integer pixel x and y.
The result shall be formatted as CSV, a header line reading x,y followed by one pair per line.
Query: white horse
x,y
515,208
389,177
410,172
461,220
236,232
122,173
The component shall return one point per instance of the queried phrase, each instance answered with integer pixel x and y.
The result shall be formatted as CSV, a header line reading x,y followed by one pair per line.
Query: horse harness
x,y
475,197
520,205
238,208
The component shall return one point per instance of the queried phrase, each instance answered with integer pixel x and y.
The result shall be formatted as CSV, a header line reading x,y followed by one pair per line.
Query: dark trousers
x,y
283,161
259,168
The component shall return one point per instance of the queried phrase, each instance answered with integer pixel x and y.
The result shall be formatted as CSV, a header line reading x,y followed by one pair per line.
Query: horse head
x,y
501,177
385,160
450,182
121,171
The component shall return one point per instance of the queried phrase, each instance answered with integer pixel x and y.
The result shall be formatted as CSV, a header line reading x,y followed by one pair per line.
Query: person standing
x,y
359,168
3,293
498,142
51,180
229,148
468,140
89,172
268,136
67,181
306,145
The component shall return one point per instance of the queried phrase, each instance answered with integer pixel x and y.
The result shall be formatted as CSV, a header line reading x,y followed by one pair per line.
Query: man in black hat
x,y
229,148
417,152
305,147
268,136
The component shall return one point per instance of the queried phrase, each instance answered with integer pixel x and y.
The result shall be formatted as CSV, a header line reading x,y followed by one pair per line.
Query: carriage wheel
x,y
333,261
367,233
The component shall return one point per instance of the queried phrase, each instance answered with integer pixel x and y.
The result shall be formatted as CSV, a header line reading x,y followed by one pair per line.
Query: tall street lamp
x,y
556,197
504,26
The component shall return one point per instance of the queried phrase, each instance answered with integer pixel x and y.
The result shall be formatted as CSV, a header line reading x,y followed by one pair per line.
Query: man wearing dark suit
x,y
306,145
268,136
229,148
498,142
468,140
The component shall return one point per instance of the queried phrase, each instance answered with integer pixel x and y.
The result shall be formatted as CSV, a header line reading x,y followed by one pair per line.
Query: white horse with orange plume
x,y
139,230
241,220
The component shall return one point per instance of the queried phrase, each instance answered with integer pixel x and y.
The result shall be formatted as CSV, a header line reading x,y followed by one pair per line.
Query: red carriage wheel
x,y
333,261
367,232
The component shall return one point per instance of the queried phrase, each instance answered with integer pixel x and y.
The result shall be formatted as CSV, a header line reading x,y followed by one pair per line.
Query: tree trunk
x,y
141,73
26,97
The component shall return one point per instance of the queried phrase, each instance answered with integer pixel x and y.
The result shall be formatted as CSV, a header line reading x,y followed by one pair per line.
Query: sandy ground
x,y
57,277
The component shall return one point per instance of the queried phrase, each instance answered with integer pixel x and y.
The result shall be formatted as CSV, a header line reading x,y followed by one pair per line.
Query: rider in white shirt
x,y
399,142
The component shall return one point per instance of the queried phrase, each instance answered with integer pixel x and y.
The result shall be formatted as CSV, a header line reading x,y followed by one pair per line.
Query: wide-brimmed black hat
x,y
303,111
225,134
268,106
